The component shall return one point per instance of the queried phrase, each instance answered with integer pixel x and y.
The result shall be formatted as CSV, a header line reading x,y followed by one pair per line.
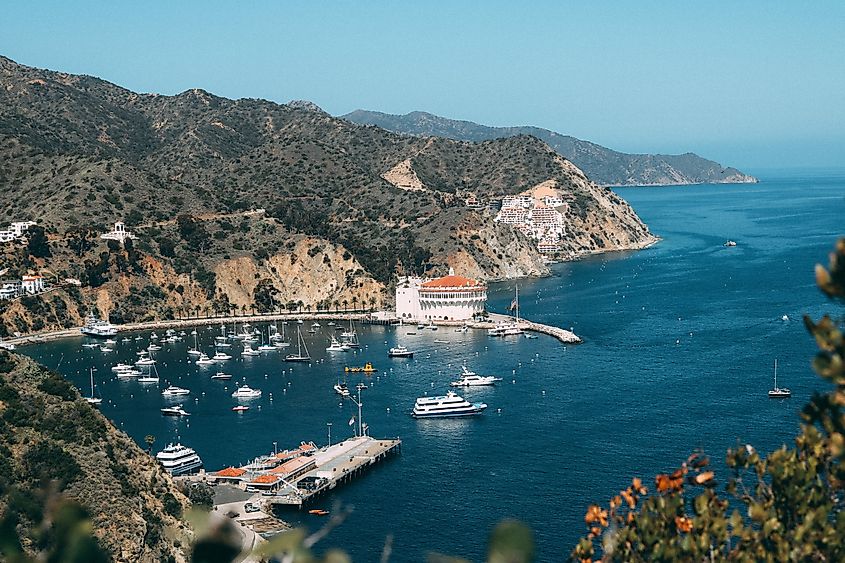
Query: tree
x,y
787,506
37,244
149,439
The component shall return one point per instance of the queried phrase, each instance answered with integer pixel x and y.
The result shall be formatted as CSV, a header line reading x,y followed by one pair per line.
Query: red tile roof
x,y
292,465
451,281
230,472
266,479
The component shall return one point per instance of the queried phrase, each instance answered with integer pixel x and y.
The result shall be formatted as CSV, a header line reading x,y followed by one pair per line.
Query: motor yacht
x,y
250,351
471,379
121,367
341,389
221,356
204,360
174,391
399,352
221,375
450,405
336,346
174,411
240,408
128,373
144,360
246,392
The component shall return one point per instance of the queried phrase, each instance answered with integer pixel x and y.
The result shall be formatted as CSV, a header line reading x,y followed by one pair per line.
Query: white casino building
x,y
450,298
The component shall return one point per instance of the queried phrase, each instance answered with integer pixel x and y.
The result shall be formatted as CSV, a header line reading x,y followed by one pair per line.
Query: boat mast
x,y
92,382
776,373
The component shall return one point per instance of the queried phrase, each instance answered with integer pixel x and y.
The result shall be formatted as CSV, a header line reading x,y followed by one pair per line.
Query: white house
x,y
118,233
32,284
15,230
452,298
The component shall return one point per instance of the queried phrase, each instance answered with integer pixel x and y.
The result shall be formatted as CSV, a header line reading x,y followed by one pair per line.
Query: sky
x,y
750,84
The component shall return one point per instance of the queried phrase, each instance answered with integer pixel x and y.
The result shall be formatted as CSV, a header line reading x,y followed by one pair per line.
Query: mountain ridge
x,y
248,203
602,165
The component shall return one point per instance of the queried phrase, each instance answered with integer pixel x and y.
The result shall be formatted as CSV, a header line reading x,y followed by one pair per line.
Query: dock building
x,y
449,298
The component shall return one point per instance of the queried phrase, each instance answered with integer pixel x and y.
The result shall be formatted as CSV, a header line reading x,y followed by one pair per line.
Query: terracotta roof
x,y
230,472
451,281
292,465
266,479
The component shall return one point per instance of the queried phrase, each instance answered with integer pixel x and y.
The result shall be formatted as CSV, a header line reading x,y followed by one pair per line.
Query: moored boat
x,y
450,405
177,459
400,352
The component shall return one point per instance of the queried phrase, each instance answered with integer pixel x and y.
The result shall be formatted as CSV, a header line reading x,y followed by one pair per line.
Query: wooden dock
x,y
336,464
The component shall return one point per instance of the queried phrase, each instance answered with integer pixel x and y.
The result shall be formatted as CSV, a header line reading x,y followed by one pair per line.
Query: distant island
x,y
601,164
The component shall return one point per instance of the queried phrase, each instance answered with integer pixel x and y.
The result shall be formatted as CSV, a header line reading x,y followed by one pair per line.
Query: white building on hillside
x,y
15,230
33,284
450,298
118,233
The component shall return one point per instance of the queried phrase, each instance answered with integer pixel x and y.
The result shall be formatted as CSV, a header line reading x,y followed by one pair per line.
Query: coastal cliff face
x,y
602,165
242,204
49,434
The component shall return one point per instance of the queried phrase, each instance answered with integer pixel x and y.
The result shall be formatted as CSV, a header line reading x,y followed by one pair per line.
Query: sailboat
x,y
279,340
195,350
778,392
92,400
266,347
300,344
149,377
350,338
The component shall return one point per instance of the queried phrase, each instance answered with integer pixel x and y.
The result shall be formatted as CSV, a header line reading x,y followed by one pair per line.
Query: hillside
x,y
602,165
247,203
49,434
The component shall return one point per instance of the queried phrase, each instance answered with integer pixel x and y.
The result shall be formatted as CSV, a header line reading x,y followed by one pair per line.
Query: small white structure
x,y
15,230
450,298
9,290
32,284
119,233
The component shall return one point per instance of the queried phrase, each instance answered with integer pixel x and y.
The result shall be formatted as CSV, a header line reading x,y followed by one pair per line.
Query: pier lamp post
x,y
360,405
329,424
275,448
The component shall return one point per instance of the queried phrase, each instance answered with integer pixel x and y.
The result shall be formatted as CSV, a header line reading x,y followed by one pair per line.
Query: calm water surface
x,y
678,352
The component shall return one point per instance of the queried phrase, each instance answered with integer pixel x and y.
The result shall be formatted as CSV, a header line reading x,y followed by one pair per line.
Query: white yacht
x,y
174,411
221,356
341,389
178,459
471,379
173,391
204,360
128,373
144,360
446,406
91,345
221,375
250,351
246,392
98,328
153,347
399,352
121,367
336,346
105,348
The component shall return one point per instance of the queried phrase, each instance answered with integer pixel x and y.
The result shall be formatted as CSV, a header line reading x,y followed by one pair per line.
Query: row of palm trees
x,y
217,309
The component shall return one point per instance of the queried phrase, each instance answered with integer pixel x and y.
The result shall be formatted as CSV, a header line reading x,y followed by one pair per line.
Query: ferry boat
x,y
177,459
471,379
450,405
174,411
399,352
98,328
221,375
341,389
174,391
246,392
204,360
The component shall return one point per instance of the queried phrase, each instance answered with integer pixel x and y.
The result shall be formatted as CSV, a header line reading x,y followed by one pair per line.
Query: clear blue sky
x,y
751,84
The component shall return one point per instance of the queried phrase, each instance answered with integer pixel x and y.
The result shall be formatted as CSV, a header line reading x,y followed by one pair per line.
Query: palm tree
x,y
336,304
345,304
150,440
372,302
354,302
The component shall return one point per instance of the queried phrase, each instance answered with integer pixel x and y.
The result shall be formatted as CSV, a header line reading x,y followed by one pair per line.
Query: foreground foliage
x,y
786,506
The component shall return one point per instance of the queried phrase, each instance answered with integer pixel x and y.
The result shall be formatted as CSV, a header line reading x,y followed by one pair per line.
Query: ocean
x,y
679,343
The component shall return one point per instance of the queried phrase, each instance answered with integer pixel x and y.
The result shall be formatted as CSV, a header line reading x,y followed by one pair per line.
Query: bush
x,y
45,461
54,385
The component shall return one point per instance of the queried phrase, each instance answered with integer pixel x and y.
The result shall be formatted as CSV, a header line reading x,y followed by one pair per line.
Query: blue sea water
x,y
679,344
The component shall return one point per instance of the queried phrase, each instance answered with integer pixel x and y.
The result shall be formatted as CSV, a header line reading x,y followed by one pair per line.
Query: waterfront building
x,y
118,233
32,284
448,298
233,475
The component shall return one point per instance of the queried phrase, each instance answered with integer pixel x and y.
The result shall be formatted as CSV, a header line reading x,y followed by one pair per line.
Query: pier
x,y
335,465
